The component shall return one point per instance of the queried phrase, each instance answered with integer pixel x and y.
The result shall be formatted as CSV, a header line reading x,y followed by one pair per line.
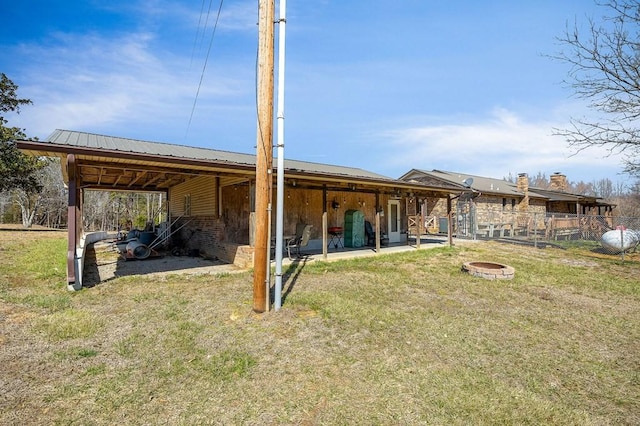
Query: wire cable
x,y
204,67
195,41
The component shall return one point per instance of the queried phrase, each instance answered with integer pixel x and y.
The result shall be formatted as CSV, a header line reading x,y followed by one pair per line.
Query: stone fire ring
x,y
489,270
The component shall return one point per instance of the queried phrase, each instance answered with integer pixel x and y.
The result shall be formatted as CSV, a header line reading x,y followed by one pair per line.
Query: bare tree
x,y
49,200
582,188
627,201
122,210
540,180
54,196
605,70
604,188
96,209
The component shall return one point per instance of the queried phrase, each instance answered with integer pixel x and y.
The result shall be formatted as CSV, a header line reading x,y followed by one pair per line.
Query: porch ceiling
x,y
141,177
117,174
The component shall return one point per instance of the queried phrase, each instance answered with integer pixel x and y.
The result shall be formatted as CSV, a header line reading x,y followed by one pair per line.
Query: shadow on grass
x,y
91,273
631,255
290,277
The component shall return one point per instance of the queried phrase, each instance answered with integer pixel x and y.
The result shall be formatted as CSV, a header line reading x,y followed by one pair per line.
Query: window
x,y
513,204
187,205
504,203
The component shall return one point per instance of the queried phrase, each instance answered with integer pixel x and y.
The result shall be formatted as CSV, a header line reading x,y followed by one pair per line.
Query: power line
x,y
195,41
204,67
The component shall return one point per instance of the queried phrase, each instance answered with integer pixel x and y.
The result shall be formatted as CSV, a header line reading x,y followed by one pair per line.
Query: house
x,y
211,193
498,207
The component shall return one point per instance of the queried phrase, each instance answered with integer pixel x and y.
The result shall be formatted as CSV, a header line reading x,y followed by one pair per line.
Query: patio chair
x,y
370,233
299,241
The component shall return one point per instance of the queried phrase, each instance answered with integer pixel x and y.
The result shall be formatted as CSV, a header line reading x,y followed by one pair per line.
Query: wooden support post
x,y
74,222
449,221
377,229
418,222
325,223
378,234
264,151
325,239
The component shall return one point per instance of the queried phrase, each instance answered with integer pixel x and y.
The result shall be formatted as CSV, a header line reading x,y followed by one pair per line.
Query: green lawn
x,y
398,339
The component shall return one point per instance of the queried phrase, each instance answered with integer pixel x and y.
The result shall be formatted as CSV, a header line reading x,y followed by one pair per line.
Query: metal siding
x,y
203,199
203,196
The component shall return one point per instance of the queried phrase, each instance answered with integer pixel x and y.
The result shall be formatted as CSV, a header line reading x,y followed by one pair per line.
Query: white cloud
x,y
90,81
494,147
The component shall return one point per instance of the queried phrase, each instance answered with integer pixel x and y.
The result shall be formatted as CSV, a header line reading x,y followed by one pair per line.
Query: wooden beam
x,y
100,175
137,177
117,180
154,179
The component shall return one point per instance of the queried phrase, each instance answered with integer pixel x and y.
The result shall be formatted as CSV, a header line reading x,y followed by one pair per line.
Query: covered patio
x,y
211,196
102,265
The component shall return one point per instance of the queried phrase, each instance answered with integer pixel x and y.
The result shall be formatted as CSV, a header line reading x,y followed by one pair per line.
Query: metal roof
x,y
503,188
135,146
109,162
480,183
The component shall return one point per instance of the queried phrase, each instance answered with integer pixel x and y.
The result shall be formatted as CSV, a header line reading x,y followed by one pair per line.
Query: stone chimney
x,y
558,182
523,182
523,186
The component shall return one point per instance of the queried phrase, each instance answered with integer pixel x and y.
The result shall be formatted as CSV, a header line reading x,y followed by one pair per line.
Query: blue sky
x,y
386,86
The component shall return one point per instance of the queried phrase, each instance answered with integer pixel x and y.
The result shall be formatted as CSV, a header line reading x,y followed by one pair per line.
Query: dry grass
x,y
399,339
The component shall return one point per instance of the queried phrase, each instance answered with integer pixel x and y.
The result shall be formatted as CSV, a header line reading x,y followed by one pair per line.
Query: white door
x,y
394,221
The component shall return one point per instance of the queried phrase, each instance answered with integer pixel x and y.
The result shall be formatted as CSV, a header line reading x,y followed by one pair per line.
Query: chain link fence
x,y
616,236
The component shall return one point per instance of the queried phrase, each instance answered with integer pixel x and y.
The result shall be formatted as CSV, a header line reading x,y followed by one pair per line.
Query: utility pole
x,y
264,151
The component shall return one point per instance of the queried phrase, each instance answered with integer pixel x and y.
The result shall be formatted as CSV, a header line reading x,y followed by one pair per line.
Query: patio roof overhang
x,y
106,169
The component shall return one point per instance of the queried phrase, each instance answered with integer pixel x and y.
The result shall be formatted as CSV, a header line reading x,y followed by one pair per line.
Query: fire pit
x,y
489,270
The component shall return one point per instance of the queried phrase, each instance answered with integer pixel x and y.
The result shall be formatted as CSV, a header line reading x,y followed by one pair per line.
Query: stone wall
x,y
206,236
